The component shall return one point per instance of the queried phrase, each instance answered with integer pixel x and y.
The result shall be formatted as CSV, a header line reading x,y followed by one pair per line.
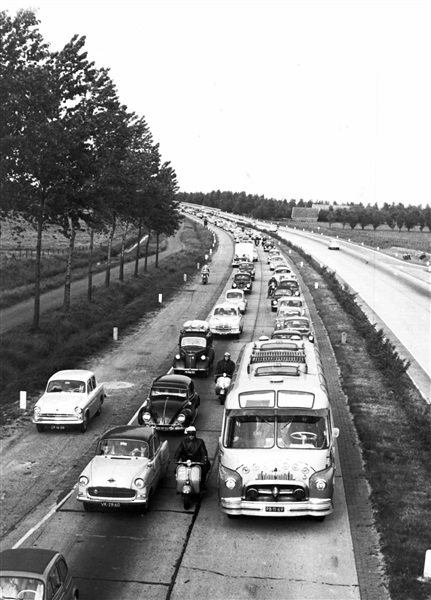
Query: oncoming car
x,y
237,298
334,245
172,404
72,397
35,574
129,463
226,319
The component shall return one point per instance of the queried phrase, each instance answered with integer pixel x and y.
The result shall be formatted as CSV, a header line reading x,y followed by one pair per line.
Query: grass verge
x,y
27,360
393,424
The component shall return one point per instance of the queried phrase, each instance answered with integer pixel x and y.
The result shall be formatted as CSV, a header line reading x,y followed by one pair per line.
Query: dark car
x,y
280,293
36,574
242,281
247,267
172,403
196,352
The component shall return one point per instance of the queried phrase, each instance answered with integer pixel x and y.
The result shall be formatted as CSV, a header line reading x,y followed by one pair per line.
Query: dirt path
x,y
22,313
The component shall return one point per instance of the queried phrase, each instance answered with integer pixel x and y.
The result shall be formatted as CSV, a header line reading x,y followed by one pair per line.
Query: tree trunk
x,y
68,279
90,266
123,243
138,248
36,312
108,259
146,250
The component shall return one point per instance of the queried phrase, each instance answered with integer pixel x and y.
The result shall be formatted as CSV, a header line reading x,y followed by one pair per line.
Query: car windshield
x,y
13,588
167,391
193,341
242,277
134,448
63,385
225,311
234,296
284,431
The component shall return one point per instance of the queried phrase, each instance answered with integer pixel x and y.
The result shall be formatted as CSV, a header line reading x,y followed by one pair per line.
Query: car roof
x,y
72,374
172,380
29,560
131,432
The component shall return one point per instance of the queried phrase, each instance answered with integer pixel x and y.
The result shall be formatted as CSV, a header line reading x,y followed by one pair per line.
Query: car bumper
x,y
61,420
310,508
235,331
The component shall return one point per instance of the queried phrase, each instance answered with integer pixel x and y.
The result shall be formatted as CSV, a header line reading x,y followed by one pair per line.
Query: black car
x,y
280,293
242,281
196,352
172,404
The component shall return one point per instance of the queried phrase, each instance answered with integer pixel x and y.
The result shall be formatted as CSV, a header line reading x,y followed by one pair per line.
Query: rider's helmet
x,y
226,355
190,430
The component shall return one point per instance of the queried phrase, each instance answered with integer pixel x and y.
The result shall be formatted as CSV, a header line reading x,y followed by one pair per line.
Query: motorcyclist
x,y
205,269
224,366
194,449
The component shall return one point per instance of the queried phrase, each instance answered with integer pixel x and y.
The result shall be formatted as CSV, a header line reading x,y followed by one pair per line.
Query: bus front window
x,y
301,431
250,431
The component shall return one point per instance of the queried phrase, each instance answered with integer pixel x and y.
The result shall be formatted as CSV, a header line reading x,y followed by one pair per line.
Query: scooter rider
x,y
205,269
194,449
224,366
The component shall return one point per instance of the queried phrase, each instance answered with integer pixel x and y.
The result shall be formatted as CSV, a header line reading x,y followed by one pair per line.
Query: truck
x,y
244,251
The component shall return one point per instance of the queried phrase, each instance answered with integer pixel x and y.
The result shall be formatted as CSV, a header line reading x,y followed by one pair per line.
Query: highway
x,y
171,553
396,295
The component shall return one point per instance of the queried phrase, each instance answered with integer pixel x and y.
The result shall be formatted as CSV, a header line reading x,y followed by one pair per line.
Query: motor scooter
x,y
189,477
222,386
204,278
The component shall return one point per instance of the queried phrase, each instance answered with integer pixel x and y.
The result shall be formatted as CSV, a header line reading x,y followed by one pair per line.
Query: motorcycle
x,y
188,476
204,278
222,386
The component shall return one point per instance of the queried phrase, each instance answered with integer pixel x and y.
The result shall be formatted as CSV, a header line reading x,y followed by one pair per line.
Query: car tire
x,y
88,507
99,410
84,425
40,428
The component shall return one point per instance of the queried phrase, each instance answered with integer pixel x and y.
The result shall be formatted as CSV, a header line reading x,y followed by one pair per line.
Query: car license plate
x,y
274,508
58,426
189,372
110,504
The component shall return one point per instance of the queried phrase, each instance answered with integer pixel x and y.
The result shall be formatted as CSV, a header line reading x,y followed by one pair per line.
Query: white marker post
x,y
427,565
185,276
23,400
115,334
160,298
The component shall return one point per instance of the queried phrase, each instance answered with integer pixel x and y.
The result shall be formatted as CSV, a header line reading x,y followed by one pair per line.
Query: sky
x,y
323,100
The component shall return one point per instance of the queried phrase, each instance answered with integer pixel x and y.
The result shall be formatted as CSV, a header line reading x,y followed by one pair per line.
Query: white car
x,y
129,464
226,319
237,298
334,245
276,261
72,397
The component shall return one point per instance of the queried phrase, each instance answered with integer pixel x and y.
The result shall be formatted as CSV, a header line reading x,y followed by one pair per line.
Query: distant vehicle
x,y
278,294
72,397
237,298
245,250
334,245
196,352
226,319
130,462
172,404
36,574
243,281
282,270
247,267
276,261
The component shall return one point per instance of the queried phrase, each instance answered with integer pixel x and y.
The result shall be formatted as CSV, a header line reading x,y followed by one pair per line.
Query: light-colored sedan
x,y
72,397
130,462
226,319
237,298
276,261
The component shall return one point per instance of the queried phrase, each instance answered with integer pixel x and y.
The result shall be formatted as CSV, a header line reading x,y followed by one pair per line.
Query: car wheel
x,y
40,428
84,425
99,410
88,507
232,516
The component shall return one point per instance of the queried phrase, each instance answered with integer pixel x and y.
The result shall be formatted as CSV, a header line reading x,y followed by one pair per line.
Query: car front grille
x,y
57,417
111,492
281,489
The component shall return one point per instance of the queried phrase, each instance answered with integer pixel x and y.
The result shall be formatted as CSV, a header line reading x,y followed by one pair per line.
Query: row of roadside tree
x,y
72,155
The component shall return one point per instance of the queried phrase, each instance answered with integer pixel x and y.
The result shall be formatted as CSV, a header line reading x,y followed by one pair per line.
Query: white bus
x,y
277,446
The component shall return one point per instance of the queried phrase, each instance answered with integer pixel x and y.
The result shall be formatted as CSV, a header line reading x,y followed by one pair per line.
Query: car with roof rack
x,y
195,349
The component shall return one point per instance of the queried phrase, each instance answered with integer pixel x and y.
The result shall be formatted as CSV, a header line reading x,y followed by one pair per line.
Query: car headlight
x,y
320,484
146,416
248,285
83,480
230,483
203,357
234,285
37,411
181,418
139,483
177,357
78,411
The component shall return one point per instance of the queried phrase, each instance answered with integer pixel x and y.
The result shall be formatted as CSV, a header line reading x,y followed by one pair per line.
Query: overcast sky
x,y
319,100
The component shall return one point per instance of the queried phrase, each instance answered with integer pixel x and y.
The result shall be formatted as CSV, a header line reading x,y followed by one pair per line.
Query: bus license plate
x,y
110,504
274,508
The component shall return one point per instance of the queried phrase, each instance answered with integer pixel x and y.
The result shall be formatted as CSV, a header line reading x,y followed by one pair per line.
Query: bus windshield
x,y
298,431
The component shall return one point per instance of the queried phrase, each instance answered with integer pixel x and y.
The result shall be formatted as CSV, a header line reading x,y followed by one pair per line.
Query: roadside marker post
x,y
185,276
115,334
160,298
343,337
427,565
23,400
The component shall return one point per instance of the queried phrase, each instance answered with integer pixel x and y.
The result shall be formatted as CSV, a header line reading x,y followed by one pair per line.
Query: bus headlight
x,y
320,484
230,483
